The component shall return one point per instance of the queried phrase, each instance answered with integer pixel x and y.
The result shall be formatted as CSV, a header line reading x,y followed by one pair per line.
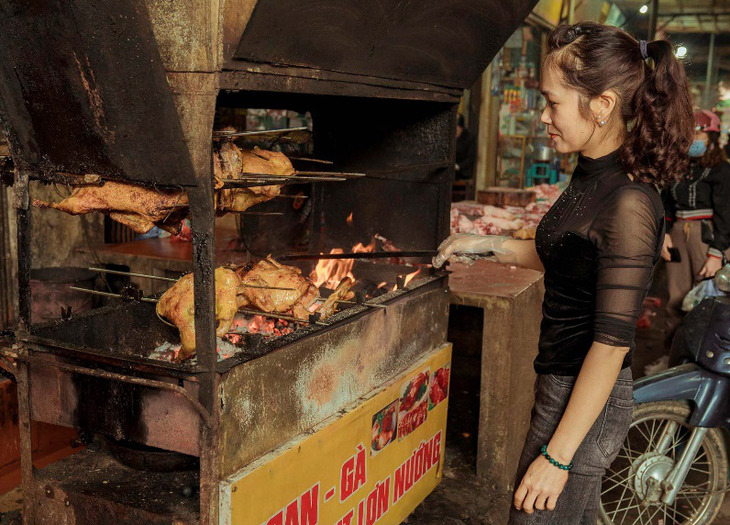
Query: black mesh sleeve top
x,y
599,243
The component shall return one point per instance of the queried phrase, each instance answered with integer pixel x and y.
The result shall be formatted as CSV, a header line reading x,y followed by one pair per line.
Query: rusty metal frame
x,y
203,221
151,383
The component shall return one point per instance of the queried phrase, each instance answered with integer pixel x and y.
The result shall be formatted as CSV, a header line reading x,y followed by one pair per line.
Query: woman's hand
x,y
711,267
540,487
665,248
468,243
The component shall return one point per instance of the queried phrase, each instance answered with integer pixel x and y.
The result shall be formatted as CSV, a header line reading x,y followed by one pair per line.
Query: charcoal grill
x,y
128,91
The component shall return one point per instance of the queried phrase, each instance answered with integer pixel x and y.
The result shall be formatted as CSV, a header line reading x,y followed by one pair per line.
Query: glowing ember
x,y
257,324
169,352
349,220
329,272
381,285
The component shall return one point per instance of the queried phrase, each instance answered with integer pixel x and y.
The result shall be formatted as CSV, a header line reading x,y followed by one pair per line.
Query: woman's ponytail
x,y
662,125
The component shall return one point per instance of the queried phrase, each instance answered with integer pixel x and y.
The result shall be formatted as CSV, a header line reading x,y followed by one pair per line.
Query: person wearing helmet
x,y
698,218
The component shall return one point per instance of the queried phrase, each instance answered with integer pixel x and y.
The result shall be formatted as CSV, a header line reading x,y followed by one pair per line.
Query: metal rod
x,y
227,134
346,174
27,472
263,213
261,287
292,197
363,255
122,378
279,316
708,77
109,294
134,274
653,19
307,159
21,202
365,303
170,279
263,179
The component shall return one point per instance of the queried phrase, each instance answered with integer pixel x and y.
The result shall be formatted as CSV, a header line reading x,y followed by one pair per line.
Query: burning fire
x,y
329,272
410,277
407,280
349,219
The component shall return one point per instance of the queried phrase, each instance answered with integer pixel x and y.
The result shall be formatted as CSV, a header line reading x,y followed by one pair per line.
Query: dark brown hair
x,y
654,102
715,154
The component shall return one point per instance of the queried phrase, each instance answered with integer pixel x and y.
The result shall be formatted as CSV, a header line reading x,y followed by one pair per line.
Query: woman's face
x,y
566,125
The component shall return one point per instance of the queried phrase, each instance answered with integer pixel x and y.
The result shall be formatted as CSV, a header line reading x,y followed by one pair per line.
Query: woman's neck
x,y
603,145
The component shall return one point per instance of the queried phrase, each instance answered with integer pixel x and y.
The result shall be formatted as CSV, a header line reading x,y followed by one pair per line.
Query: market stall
x,y
334,411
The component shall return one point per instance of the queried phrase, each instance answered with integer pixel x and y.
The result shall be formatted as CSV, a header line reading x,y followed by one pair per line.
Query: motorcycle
x,y
672,468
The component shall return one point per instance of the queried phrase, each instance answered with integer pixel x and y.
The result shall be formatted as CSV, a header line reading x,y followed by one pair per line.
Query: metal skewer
x,y
109,294
359,255
292,197
263,213
261,179
307,159
228,134
133,274
346,174
170,279
365,303
279,316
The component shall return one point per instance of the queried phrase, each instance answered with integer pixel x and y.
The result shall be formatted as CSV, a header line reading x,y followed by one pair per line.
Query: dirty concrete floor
x,y
461,498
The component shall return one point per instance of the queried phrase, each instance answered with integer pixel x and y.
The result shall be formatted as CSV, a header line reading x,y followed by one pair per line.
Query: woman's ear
x,y
603,105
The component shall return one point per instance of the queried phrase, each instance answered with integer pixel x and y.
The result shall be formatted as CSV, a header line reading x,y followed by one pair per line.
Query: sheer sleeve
x,y
625,233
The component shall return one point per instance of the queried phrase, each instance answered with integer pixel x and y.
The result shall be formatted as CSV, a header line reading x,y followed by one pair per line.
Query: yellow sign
x,y
374,464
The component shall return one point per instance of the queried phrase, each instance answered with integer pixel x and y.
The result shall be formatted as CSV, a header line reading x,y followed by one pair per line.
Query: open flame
x,y
329,272
410,277
349,219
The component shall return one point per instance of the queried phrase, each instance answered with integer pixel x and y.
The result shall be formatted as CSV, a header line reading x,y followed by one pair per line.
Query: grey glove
x,y
467,243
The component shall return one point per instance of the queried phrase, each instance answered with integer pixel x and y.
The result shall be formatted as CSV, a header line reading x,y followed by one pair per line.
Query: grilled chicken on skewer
x,y
138,207
141,208
178,306
272,273
233,163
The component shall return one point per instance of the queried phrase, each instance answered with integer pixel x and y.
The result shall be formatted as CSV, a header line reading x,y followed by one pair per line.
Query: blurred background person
x,y
698,218
466,151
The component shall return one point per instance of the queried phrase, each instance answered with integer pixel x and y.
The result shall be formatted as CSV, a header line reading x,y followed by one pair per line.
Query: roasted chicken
x,y
256,286
178,306
135,206
141,208
233,163
269,272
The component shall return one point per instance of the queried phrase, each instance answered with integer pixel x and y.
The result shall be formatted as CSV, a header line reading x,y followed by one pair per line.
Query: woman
x,y
698,218
630,118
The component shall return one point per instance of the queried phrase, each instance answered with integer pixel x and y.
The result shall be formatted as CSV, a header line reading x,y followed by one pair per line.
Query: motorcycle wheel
x,y
625,488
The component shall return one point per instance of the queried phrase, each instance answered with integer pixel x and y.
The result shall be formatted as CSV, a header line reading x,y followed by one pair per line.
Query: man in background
x,y
466,151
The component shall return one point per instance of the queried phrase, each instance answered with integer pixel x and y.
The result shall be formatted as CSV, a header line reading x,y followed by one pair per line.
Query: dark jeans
x,y
578,503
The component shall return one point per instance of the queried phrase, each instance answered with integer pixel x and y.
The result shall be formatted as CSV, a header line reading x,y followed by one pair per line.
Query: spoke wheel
x,y
631,490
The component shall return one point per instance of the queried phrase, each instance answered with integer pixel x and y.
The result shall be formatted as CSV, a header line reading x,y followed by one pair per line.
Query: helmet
x,y
707,121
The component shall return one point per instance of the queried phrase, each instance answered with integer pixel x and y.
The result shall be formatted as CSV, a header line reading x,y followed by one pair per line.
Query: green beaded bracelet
x,y
554,462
